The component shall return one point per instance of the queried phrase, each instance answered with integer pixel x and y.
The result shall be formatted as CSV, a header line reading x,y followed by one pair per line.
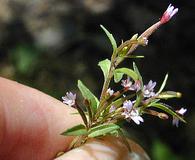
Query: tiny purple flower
x,y
148,89
175,121
131,113
110,91
168,14
127,105
69,99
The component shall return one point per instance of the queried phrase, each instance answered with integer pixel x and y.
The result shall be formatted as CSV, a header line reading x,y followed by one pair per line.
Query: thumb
x,y
107,148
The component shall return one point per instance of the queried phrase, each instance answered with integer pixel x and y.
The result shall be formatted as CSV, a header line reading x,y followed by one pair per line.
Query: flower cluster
x,y
132,101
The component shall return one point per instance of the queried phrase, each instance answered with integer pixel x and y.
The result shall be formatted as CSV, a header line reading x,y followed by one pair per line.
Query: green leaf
x,y
169,94
75,131
118,76
154,101
105,66
138,73
166,109
82,114
102,130
163,84
87,94
118,102
139,98
118,73
111,38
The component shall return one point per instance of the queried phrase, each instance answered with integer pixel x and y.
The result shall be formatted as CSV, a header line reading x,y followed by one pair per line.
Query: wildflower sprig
x,y
135,98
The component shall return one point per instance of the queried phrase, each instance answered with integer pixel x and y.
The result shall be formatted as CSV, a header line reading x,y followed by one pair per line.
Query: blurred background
x,y
49,44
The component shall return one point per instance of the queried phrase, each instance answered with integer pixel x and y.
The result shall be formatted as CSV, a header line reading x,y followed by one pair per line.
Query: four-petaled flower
x,y
131,113
110,91
69,99
148,89
168,14
181,112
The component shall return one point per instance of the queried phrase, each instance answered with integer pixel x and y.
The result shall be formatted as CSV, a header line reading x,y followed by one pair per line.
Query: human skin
x,y
31,123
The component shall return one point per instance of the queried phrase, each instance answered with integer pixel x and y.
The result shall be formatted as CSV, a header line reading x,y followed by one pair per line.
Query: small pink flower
x,y
181,112
148,89
127,83
168,14
69,99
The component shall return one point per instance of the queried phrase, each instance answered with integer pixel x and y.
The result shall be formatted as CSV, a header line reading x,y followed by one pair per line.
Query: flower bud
x,y
163,116
169,94
134,37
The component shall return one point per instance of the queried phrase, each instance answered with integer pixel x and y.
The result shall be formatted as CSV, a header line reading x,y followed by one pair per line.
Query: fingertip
x,y
107,148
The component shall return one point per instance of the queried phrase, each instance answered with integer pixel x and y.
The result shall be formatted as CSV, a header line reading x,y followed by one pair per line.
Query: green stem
x,y
106,84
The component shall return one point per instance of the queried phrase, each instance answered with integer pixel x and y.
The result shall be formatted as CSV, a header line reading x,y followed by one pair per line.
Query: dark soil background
x,y
49,44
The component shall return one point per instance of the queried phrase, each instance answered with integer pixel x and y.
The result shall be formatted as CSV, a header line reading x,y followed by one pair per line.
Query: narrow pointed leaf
x,y
75,131
102,130
89,113
138,73
163,84
117,103
105,66
139,98
154,101
128,72
82,114
111,38
87,94
168,110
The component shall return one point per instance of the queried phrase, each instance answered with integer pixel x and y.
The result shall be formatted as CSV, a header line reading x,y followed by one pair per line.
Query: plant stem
x,y
104,89
146,34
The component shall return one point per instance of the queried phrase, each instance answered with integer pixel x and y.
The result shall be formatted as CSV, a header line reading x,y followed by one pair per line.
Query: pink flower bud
x,y
168,14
